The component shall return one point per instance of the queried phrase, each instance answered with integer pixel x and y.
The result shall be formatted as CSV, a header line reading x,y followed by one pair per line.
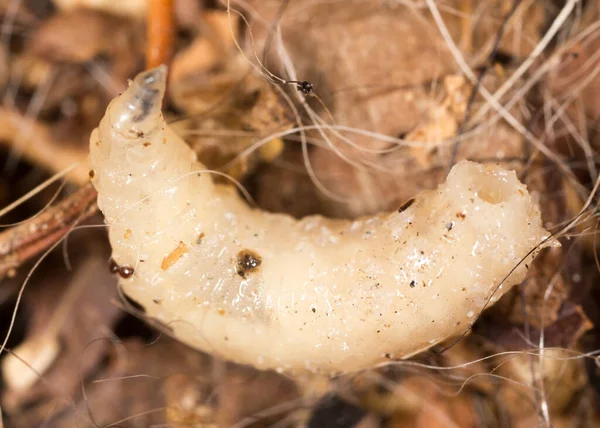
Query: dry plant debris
x,y
376,68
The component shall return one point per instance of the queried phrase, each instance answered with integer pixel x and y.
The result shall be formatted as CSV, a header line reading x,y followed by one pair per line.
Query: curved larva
x,y
271,291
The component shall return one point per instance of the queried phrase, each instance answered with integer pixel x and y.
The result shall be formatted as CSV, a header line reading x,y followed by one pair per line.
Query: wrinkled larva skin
x,y
319,294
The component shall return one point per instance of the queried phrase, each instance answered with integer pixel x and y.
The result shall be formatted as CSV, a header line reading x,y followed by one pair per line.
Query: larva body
x,y
319,294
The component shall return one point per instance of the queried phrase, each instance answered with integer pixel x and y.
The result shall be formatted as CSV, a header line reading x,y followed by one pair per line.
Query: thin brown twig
x,y
20,243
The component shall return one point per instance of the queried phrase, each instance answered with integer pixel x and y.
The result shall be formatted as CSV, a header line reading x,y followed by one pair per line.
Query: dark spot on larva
x,y
126,272
461,215
144,100
450,226
92,174
526,266
147,144
406,205
413,284
388,356
314,310
147,95
157,301
199,238
247,261
113,266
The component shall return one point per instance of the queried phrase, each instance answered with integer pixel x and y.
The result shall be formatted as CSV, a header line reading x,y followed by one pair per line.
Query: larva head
x,y
137,110
133,152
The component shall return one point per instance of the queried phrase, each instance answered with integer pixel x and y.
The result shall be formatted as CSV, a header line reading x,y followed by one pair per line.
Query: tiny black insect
x,y
304,86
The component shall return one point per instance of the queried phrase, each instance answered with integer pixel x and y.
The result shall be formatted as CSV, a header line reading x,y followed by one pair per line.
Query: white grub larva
x,y
319,294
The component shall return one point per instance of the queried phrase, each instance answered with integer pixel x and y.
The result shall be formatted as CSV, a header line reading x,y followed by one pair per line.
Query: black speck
x,y
314,310
247,261
450,226
305,87
413,284
406,205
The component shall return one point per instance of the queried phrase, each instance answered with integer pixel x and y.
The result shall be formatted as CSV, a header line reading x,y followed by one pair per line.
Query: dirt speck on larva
x,y
247,261
406,205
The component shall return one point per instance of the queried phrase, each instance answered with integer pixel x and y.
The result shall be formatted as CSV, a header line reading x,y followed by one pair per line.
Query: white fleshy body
x,y
319,294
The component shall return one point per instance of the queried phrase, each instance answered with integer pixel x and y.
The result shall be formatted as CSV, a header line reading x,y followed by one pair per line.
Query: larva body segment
x,y
319,294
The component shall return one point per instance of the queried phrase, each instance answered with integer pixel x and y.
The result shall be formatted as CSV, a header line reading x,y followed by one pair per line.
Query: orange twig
x,y
160,32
